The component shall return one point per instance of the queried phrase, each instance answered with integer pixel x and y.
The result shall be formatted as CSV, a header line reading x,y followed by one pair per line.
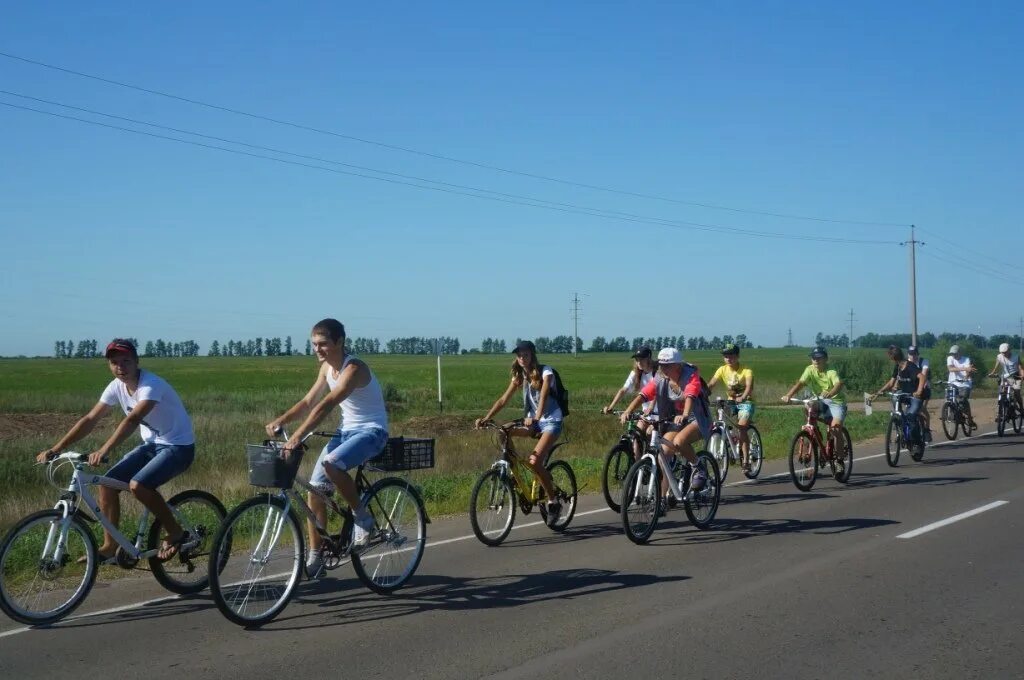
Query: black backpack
x,y
557,390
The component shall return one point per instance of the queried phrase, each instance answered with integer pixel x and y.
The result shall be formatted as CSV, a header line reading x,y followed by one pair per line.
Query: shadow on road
x,y
872,480
435,592
770,499
727,529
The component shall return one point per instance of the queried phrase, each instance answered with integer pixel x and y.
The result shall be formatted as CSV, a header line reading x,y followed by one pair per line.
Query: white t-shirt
x,y
1009,367
167,423
364,407
630,386
957,370
552,411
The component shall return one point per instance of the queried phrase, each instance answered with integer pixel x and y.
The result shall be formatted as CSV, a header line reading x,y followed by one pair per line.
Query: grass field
x,y
230,399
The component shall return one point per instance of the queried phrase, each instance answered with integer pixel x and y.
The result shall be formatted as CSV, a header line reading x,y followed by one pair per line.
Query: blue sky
x,y
871,112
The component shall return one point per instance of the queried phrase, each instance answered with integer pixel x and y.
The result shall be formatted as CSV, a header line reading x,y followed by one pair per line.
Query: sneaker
x,y
928,436
698,480
554,511
315,562
362,528
671,501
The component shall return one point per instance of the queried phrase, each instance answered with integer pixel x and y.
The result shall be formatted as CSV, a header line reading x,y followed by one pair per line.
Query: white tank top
x,y
364,407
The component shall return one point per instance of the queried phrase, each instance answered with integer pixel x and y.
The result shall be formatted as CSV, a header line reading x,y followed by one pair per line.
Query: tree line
x,y
929,340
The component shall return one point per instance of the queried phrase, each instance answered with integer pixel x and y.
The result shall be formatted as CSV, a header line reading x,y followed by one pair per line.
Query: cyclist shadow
x,y
154,610
872,480
728,529
432,592
771,499
570,535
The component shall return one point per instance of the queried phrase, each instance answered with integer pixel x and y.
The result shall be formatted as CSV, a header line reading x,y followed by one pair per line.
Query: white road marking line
x,y
172,598
950,520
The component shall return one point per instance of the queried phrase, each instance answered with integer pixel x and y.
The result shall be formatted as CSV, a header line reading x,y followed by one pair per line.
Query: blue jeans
x,y
347,449
152,465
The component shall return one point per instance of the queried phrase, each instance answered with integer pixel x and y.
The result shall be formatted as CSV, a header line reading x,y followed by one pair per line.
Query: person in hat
x,y
644,370
960,370
543,420
677,393
167,450
825,383
915,355
907,378
739,385
1008,367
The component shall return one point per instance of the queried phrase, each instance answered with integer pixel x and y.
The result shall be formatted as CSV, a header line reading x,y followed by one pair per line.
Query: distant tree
x,y
288,345
598,344
308,347
214,349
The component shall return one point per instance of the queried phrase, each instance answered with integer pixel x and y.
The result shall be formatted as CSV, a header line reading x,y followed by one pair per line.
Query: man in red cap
x,y
167,450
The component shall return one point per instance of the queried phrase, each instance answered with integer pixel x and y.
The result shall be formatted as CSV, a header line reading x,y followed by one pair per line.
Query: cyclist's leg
x,y
837,413
914,412
743,418
645,430
548,436
168,461
356,448
685,438
110,499
319,480
965,395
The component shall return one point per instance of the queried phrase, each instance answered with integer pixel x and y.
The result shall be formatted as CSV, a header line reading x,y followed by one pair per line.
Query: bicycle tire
x,y
397,545
756,458
17,563
964,421
641,505
499,496
1018,422
233,592
702,506
617,462
564,480
893,442
205,524
1000,419
719,450
949,417
803,461
842,473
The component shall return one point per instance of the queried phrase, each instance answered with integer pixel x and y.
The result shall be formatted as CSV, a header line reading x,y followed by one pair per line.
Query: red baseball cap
x,y
121,345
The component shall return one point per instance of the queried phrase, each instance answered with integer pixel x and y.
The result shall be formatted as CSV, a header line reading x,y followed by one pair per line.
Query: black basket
x,y
268,469
405,453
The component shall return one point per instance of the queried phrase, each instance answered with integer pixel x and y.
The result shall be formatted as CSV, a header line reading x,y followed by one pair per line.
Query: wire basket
x,y
268,469
405,453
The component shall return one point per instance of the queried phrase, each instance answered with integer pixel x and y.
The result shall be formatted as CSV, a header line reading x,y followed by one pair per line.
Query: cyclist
x,y
739,385
362,435
926,396
167,450
543,420
1008,367
644,370
906,377
960,370
677,392
826,383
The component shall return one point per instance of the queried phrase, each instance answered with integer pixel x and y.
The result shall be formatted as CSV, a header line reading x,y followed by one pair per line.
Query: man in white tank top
x,y
362,434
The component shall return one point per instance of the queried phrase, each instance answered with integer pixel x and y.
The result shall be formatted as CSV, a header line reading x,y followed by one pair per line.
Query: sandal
x,y
170,548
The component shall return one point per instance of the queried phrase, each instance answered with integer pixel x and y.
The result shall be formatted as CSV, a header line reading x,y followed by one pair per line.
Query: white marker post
x,y
437,351
867,404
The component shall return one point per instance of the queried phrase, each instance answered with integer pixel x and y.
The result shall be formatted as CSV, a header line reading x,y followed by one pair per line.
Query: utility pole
x,y
913,285
849,343
575,321
1021,336
789,338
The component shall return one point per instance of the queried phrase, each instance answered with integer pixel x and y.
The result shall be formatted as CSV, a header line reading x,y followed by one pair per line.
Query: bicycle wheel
x,y
492,507
200,513
616,464
965,425
949,421
719,450
701,506
641,497
396,546
842,461
803,464
41,579
1000,419
564,480
756,453
1018,422
893,442
256,560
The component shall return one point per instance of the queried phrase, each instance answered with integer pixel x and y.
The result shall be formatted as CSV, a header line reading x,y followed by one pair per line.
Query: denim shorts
x,y
152,465
540,427
830,410
348,449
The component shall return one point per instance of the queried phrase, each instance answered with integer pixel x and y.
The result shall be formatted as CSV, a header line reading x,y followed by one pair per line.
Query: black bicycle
x,y
620,458
954,412
903,431
1007,410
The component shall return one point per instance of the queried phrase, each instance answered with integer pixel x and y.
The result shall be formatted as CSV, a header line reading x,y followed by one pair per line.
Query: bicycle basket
x,y
268,469
405,453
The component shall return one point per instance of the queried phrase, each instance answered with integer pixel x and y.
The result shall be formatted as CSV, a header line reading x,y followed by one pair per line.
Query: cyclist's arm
x,y
793,390
633,405
834,391
749,388
500,403
79,430
921,380
545,387
889,384
302,406
123,430
355,374
615,399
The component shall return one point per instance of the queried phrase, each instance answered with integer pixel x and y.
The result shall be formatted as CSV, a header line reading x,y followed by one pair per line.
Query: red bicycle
x,y
809,452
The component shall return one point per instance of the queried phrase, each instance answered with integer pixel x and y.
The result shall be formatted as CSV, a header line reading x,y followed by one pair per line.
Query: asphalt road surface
x,y
835,583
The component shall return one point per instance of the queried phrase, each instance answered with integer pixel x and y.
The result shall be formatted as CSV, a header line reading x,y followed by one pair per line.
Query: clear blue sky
x,y
881,112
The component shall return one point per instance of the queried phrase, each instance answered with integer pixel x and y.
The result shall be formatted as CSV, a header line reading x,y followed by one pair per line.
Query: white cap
x,y
1005,347
670,355
955,349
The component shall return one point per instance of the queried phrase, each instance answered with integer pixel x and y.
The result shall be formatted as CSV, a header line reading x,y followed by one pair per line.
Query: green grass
x,y
230,400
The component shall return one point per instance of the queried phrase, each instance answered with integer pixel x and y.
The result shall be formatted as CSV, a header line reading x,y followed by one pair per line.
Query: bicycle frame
x,y
899,415
511,466
725,422
653,453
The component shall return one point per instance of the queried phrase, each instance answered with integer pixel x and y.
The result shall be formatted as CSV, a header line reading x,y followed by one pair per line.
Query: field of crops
x,y
231,398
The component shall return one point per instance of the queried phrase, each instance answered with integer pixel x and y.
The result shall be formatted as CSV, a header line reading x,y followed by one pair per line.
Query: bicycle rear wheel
x,y
256,561
1000,418
893,442
803,463
718,448
564,480
949,419
492,507
701,506
396,545
1018,422
41,579
616,464
756,453
842,460
199,513
641,498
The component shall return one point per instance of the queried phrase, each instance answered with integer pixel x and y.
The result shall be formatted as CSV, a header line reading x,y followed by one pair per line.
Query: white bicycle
x,y
724,445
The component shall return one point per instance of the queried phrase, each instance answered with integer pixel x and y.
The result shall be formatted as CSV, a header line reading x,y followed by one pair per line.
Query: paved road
x,y
788,584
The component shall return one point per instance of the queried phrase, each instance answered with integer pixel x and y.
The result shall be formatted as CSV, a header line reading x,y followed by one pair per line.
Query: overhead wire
x,y
437,156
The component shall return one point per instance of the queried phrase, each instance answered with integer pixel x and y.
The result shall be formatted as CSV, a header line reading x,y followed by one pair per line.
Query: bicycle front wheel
x,y
492,507
803,463
616,464
949,421
256,561
396,546
641,498
41,577
1018,422
720,450
199,513
893,442
842,456
756,453
701,505
1000,419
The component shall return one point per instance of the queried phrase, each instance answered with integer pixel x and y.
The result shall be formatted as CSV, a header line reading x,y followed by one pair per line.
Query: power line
x,y
436,156
974,269
462,190
987,259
